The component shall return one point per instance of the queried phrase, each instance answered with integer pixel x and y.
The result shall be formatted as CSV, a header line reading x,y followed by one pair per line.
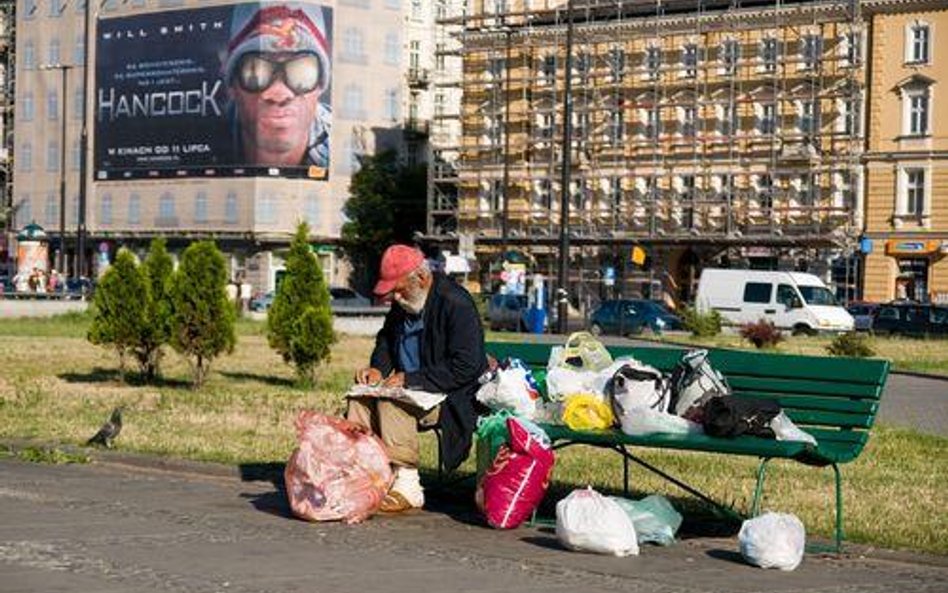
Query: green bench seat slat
x,y
815,402
812,417
801,386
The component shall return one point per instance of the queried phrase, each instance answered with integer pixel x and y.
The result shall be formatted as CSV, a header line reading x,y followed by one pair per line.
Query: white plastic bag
x,y
785,430
509,391
588,521
645,421
562,381
773,540
654,518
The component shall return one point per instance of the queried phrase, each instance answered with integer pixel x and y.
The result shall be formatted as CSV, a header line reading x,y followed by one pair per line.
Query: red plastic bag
x,y
517,479
337,472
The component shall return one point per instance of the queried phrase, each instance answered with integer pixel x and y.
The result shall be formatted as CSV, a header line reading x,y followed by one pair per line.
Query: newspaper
x,y
420,399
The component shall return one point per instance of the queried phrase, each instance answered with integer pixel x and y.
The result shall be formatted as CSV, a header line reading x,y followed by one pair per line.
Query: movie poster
x,y
239,90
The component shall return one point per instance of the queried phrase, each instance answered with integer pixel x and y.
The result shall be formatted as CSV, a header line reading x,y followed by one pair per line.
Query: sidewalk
x,y
110,527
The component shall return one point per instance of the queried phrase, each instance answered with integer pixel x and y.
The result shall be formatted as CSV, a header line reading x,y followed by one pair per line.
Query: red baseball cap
x,y
397,262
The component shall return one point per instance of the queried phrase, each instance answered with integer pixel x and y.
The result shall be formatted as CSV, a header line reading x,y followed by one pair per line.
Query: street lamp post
x,y
64,70
563,279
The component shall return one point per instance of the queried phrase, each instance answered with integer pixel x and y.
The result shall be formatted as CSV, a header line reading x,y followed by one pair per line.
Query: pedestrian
x,y
277,70
432,341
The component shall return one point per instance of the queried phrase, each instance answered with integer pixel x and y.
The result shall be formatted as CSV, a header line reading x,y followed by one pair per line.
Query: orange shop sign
x,y
912,246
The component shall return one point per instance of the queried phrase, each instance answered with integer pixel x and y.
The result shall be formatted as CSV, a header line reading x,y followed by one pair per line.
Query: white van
x,y
791,300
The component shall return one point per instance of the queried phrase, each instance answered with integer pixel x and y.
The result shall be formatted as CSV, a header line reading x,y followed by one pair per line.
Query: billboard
x,y
223,91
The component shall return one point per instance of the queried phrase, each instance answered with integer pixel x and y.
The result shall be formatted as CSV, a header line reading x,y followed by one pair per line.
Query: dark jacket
x,y
452,359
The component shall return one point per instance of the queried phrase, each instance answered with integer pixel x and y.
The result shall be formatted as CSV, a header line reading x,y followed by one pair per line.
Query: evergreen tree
x,y
299,322
157,268
202,318
387,205
121,317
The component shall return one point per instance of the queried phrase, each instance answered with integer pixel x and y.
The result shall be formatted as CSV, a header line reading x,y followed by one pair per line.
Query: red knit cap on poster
x,y
283,27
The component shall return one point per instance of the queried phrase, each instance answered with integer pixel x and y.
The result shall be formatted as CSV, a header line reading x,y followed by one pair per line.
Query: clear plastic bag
x,y
590,522
773,540
646,421
785,430
654,518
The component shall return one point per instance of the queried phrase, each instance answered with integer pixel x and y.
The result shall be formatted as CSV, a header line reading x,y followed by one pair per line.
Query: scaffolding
x,y
7,88
719,126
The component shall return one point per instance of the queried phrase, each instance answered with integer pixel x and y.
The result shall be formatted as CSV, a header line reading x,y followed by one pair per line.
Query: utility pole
x,y
563,277
61,259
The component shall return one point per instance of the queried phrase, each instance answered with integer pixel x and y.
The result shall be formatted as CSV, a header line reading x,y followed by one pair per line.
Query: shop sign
x,y
912,247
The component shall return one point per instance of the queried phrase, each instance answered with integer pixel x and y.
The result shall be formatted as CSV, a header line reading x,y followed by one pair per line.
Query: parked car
x,y
791,300
262,302
631,317
911,319
507,311
340,296
77,288
863,315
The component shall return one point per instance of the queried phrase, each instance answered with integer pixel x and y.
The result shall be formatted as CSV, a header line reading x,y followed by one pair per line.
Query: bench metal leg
x,y
625,471
839,509
759,489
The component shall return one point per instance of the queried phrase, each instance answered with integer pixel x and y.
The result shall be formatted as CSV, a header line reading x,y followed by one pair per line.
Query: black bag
x,y
729,416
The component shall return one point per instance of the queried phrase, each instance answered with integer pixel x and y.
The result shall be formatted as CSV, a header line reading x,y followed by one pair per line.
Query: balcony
x,y
417,128
418,78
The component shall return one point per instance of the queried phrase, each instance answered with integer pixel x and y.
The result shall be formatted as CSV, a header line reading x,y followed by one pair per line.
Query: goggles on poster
x,y
300,73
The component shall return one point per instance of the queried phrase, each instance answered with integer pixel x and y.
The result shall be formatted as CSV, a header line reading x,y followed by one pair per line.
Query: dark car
x,y
77,288
346,297
632,316
863,315
911,319
507,311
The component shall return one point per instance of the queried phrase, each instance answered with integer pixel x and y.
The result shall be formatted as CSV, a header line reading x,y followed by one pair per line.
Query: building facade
x,y
907,154
252,216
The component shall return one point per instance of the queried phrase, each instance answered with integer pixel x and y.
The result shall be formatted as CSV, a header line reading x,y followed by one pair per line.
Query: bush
x,y
851,344
762,334
299,322
157,268
202,318
121,319
701,325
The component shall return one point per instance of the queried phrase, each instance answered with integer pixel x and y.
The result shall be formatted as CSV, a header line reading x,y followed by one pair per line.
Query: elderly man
x,y
432,340
277,68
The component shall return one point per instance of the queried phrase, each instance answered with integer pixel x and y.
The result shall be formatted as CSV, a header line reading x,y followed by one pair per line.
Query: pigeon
x,y
109,431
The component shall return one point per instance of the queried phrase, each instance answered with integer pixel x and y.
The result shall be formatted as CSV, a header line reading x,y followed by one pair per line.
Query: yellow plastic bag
x,y
585,411
585,347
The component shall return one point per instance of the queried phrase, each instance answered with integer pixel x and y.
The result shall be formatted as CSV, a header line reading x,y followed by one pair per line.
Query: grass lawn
x,y
56,387
907,354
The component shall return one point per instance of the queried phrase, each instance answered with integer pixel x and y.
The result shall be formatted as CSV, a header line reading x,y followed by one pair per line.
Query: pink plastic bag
x,y
517,479
336,472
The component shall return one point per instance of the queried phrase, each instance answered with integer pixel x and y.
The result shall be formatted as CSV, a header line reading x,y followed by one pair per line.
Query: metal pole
x,y
563,292
83,148
62,179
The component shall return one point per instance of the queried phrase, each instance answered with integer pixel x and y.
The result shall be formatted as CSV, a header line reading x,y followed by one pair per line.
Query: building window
x,y
616,59
29,55
52,55
616,127
548,70
918,113
416,9
200,207
805,193
653,123
919,41
582,66
727,187
726,120
688,121
807,118
811,50
311,210
52,155
56,8
25,158
27,107
439,57
352,102
51,211
105,209
730,53
768,54
439,105
768,118
78,103
580,126
765,191
689,60
230,208
393,4
393,49
849,117
29,9
414,55
441,9
653,62
52,105
687,187
353,45
393,104
615,192
851,45
134,209
546,125
495,68
915,192
266,209
166,215
24,214
495,130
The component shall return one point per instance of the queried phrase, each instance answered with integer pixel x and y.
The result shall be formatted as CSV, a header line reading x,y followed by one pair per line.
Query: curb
x,y
207,469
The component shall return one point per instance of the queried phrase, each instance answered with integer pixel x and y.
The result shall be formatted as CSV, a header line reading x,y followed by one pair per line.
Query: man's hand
x,y
395,380
368,376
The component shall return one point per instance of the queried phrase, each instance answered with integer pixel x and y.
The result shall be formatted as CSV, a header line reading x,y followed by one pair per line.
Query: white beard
x,y
412,306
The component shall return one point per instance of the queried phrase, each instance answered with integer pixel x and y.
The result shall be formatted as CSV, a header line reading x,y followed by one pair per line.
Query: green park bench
x,y
834,399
